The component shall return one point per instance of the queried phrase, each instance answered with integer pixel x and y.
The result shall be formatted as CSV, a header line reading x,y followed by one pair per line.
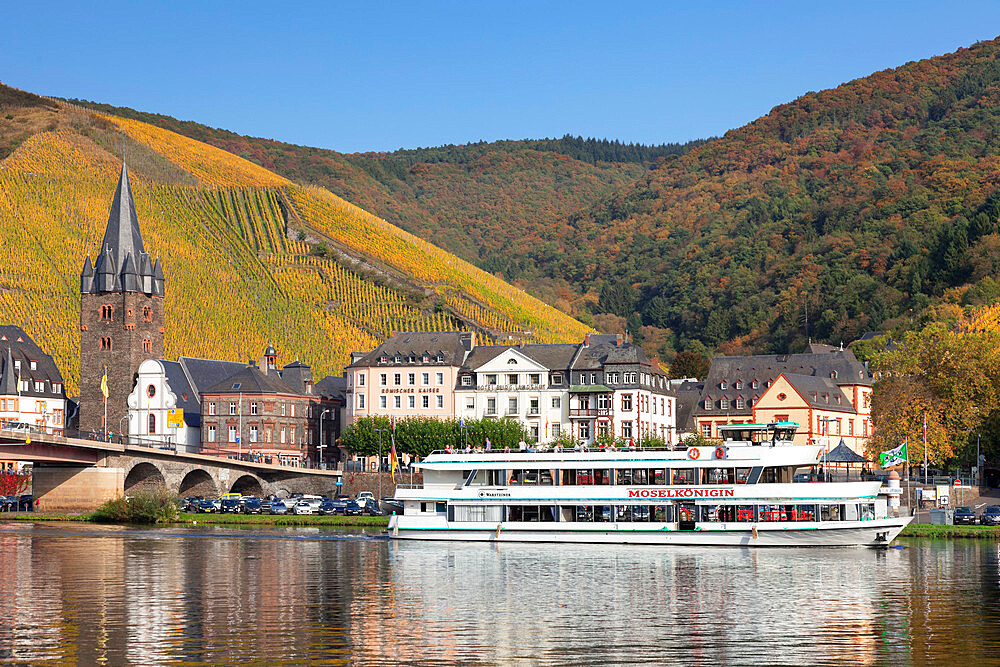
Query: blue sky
x,y
358,76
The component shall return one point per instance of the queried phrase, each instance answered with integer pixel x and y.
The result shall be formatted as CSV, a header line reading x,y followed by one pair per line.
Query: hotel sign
x,y
681,493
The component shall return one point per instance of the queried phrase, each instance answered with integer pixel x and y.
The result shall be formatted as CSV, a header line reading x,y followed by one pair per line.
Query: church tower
x,y
121,315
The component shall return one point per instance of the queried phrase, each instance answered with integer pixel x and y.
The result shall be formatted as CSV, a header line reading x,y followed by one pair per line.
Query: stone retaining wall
x,y
369,481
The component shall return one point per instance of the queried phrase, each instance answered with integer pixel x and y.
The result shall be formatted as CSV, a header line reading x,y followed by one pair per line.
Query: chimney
x,y
468,339
618,340
586,340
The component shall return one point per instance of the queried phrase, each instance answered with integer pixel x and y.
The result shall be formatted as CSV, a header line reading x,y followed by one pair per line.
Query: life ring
x,y
693,453
720,452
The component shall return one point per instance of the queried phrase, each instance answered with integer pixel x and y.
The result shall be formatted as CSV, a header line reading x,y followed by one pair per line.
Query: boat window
x,y
530,513
784,434
867,511
490,513
769,476
830,512
632,476
663,513
602,476
742,475
658,476
441,507
805,513
586,513
683,476
531,477
745,513
720,476
772,513
641,513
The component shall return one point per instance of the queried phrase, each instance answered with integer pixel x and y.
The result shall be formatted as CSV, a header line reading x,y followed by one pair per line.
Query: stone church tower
x,y
121,315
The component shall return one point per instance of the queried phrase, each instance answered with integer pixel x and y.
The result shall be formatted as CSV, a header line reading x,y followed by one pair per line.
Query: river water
x,y
82,594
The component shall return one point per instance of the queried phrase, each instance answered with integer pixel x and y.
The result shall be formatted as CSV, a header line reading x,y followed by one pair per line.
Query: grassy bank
x,y
946,532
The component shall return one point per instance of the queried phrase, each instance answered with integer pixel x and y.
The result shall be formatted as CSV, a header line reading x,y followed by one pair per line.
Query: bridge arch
x,y
248,485
198,483
143,477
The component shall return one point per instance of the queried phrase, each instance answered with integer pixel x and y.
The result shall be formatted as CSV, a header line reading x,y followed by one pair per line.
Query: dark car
x,y
352,508
371,509
990,516
190,504
207,506
230,505
253,506
391,505
328,507
964,516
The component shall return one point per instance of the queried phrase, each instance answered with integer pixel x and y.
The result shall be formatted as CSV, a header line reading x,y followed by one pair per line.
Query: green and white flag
x,y
893,456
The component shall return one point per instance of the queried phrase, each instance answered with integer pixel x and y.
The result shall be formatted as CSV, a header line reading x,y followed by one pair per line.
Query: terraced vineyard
x,y
228,233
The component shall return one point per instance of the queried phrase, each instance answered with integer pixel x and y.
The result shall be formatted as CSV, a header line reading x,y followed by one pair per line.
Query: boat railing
x,y
549,450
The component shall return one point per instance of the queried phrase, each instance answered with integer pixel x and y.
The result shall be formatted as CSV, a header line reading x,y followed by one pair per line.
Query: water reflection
x,y
197,595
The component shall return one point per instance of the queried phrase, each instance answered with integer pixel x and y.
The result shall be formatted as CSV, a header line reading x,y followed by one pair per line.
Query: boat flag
x,y
394,463
893,456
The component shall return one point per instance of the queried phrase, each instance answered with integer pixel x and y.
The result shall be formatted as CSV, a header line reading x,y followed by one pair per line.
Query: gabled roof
x,y
17,346
606,349
332,386
448,343
251,380
553,356
814,389
204,373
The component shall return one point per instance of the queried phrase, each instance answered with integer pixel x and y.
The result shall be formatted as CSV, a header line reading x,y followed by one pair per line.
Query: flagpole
x,y
239,434
925,448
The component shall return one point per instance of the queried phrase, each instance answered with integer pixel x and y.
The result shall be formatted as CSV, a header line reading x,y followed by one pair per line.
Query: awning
x,y
843,454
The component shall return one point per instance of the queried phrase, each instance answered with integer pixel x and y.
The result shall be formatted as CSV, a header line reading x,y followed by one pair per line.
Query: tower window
x,y
105,344
147,346
152,423
147,314
107,313
151,391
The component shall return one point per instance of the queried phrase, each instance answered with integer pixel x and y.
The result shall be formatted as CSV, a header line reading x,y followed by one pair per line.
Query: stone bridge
x,y
78,475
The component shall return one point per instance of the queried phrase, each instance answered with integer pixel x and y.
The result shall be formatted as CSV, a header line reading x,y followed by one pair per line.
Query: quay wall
x,y
355,482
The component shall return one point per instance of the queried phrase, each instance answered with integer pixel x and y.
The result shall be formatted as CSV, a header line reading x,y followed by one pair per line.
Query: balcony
x,y
589,412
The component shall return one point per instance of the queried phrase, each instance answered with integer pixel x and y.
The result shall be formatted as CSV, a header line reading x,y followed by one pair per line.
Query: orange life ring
x,y
720,452
693,453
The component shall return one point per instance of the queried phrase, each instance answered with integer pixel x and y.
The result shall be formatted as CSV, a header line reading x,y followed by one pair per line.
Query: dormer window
x,y
708,402
384,359
739,384
815,396
833,375
723,385
723,403
826,397
754,384
838,399
466,380
740,403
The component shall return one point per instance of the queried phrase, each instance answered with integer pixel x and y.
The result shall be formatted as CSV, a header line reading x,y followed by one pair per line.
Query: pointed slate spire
x,y
8,380
122,239
87,277
158,279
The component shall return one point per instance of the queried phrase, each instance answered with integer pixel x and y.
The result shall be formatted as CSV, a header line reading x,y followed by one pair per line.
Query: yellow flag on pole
x,y
104,385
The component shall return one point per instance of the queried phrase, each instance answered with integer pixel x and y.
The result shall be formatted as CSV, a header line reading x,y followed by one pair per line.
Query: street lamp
x,y
322,444
120,427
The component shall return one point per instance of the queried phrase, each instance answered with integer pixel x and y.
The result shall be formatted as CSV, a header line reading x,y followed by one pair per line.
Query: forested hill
x,y
470,199
855,207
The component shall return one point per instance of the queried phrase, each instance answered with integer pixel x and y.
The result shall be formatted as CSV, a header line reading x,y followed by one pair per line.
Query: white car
x,y
365,498
307,506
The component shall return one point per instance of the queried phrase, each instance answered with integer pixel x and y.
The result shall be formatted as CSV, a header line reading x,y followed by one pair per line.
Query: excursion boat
x,y
740,493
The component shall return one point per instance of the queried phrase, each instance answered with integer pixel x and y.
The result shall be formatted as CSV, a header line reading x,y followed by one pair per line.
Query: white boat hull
x,y
873,533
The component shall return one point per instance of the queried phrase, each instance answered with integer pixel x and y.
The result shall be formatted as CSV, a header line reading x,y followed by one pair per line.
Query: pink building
x,y
409,375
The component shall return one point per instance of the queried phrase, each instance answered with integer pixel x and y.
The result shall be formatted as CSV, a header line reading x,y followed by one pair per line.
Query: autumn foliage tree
x,y
950,377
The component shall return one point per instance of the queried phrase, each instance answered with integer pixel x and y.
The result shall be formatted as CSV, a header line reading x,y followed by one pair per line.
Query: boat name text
x,y
681,493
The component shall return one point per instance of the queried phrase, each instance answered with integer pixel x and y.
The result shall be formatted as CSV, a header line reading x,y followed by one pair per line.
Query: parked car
x,y
304,507
964,516
8,503
341,496
229,505
26,502
279,507
252,506
364,497
990,516
265,506
190,504
207,506
353,509
20,427
328,507
372,509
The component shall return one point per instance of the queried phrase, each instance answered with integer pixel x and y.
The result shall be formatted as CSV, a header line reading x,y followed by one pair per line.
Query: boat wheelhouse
x,y
738,493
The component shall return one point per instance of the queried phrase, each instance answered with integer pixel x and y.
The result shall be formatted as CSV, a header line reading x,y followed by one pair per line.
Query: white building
x,y
31,386
529,383
162,386
617,392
